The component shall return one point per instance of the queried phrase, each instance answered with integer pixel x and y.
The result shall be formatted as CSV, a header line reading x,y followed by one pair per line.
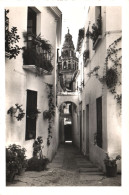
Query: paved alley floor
x,y
68,168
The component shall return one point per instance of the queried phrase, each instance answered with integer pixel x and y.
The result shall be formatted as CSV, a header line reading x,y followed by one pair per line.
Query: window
x,y
31,22
57,55
99,121
31,122
65,66
69,66
87,129
31,26
97,13
98,19
87,40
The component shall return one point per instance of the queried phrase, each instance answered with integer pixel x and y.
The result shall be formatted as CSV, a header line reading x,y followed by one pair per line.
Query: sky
x,y
73,17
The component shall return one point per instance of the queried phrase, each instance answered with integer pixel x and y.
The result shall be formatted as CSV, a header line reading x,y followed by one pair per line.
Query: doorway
x,y
87,129
99,121
68,132
80,131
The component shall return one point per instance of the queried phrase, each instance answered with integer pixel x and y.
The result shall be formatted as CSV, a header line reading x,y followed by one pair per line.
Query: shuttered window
x,y
31,122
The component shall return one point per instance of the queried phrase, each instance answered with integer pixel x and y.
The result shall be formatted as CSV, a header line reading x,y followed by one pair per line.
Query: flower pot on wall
x,y
111,171
46,114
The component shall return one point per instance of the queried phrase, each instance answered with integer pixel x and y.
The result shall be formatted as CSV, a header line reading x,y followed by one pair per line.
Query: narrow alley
x,y
64,100
68,168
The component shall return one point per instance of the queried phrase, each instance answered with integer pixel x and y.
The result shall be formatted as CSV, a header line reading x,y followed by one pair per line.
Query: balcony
x,y
33,60
37,55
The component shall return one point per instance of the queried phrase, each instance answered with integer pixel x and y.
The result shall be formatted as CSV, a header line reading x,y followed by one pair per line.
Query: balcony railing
x,y
32,57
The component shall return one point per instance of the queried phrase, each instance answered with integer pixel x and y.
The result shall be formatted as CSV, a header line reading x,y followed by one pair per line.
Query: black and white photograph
x,y
63,95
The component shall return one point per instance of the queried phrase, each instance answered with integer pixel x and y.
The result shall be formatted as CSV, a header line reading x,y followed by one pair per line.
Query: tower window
x,y
69,66
65,65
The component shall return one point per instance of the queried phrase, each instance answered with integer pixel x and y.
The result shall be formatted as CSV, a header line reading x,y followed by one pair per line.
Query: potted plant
x,y
38,162
47,114
111,166
96,32
15,161
33,113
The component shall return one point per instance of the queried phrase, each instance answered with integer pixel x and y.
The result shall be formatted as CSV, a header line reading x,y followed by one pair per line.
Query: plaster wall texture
x,y
113,18
19,80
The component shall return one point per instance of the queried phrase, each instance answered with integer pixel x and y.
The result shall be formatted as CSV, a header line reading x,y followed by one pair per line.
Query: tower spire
x,y
68,30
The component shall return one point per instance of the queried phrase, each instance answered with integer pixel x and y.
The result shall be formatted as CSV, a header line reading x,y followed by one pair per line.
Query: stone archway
x,y
67,97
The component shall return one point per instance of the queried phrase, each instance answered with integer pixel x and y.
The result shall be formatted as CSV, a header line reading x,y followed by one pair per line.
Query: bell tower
x,y
68,65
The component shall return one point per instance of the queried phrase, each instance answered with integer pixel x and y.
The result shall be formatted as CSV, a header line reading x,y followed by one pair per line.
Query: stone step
x,y
84,170
81,158
84,163
85,166
57,161
58,158
91,177
55,165
92,173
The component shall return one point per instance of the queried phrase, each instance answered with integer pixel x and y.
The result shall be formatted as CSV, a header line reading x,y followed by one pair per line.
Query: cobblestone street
x,y
68,168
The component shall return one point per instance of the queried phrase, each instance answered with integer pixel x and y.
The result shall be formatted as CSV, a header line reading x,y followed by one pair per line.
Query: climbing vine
x,y
49,114
112,71
11,39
